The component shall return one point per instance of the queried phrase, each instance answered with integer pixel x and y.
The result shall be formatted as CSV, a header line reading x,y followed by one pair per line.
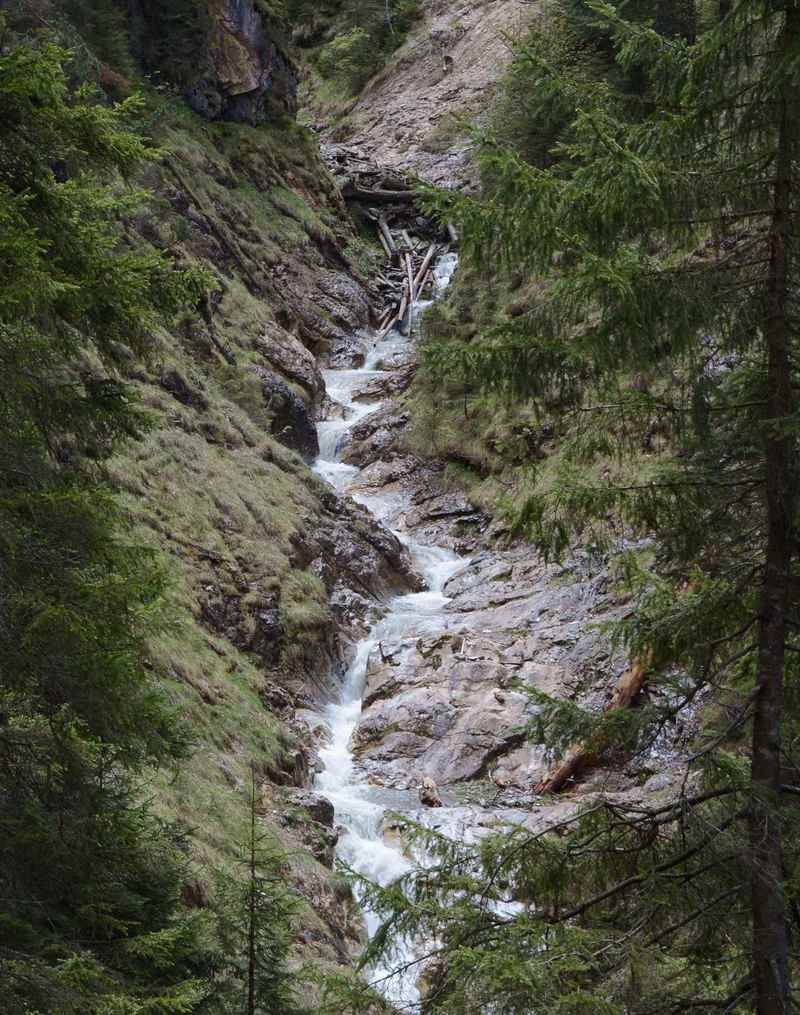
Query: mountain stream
x,y
361,807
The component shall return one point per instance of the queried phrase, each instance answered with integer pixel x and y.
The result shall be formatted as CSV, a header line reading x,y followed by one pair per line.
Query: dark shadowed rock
x,y
229,57
173,382
267,637
292,424
248,76
310,816
318,807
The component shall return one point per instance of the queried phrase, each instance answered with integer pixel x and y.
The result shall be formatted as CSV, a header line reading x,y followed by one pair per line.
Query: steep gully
x,y
360,806
435,688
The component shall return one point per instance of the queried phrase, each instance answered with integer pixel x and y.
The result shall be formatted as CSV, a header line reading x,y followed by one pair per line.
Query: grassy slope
x,y
221,499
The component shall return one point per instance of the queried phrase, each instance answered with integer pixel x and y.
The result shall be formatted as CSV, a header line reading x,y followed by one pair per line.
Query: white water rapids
x,y
360,807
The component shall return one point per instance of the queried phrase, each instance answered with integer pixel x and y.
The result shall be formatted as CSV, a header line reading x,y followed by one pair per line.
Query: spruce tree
x,y
256,910
663,351
89,880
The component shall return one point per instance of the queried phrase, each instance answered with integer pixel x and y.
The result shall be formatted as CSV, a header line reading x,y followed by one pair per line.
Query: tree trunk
x,y
580,756
770,931
251,928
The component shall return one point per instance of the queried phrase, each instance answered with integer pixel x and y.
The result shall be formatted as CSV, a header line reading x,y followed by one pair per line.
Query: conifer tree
x,y
674,227
89,880
255,924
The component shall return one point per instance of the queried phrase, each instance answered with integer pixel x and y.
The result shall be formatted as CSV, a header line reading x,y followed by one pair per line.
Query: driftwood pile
x,y
406,277
410,239
361,180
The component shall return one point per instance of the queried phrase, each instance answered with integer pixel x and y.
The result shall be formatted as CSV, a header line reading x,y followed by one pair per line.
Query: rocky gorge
x,y
434,718
396,632
399,580
351,631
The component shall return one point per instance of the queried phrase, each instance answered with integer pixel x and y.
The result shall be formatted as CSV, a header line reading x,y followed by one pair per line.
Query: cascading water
x,y
360,807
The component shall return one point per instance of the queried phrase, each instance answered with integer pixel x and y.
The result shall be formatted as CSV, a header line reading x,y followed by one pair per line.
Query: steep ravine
x,y
368,586
436,691
435,702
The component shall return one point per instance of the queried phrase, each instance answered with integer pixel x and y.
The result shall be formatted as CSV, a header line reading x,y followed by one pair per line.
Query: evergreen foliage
x,y
366,33
89,879
256,910
664,341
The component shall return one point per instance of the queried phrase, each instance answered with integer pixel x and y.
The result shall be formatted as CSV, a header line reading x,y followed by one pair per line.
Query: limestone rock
x,y
318,807
248,76
230,58
429,794
288,356
292,424
445,70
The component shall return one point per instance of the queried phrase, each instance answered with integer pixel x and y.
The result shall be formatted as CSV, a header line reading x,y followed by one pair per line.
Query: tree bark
x,y
251,928
580,756
388,240
423,271
770,930
356,193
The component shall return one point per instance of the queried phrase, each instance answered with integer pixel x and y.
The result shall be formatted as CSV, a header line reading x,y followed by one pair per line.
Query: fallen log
x,y
405,305
384,244
386,233
354,192
393,183
410,278
423,271
398,316
581,756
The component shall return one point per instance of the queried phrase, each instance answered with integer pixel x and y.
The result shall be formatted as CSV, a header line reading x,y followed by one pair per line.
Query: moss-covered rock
x,y
230,58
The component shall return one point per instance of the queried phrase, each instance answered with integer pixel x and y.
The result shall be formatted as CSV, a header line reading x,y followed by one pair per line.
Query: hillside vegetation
x,y
169,274
604,426
617,370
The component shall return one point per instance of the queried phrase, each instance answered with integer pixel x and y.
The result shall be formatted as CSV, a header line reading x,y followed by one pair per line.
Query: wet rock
x,y
345,300
450,706
292,424
289,357
293,768
347,353
449,505
318,807
362,555
310,817
429,794
389,386
375,438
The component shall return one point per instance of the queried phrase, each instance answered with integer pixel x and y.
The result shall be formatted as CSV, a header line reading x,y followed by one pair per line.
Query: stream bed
x,y
360,806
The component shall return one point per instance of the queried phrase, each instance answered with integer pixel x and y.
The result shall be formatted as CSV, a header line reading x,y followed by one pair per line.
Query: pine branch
x,y
702,911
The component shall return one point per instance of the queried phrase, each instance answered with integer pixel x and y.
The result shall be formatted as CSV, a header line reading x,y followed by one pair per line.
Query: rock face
x,y
404,117
449,705
452,707
291,422
231,60
249,77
